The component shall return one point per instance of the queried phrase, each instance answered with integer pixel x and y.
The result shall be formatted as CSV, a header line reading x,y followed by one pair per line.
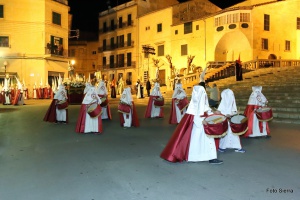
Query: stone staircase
x,y
281,86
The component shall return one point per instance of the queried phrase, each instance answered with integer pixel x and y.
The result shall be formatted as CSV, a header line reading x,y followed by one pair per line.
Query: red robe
x,y
135,121
18,95
80,125
177,149
249,113
50,115
149,108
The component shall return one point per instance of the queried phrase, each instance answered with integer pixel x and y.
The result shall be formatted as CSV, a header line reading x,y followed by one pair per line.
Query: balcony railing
x,y
116,46
65,2
115,66
116,26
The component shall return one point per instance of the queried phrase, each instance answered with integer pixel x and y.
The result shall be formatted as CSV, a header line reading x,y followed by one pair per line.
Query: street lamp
x,y
5,64
147,49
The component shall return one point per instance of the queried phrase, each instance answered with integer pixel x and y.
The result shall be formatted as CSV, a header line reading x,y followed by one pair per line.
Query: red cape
x,y
80,125
177,149
135,121
51,112
149,108
249,113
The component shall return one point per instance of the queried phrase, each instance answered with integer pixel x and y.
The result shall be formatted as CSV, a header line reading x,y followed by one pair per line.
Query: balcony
x,y
116,46
108,67
65,2
116,26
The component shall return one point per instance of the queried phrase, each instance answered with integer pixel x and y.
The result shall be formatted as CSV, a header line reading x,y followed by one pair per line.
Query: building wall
x,y
28,24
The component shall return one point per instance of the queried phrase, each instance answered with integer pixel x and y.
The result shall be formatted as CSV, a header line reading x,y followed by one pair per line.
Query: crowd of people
x,y
191,141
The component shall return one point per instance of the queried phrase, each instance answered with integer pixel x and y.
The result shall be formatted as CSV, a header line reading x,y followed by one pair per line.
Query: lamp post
x,y
147,49
5,64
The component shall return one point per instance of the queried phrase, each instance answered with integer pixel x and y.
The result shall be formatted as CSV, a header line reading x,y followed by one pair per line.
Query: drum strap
x,y
205,115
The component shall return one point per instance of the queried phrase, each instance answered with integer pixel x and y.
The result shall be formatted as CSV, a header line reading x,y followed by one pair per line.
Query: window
x,y
129,39
111,61
287,45
129,20
188,27
160,50
104,45
56,18
197,27
94,52
1,11
104,61
120,60
266,22
72,53
112,43
4,41
298,23
112,25
104,27
184,50
159,27
56,45
129,59
244,17
121,41
264,44
176,32
120,22
129,78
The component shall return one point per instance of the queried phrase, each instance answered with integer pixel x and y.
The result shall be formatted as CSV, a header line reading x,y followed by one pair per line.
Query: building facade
x,y
34,40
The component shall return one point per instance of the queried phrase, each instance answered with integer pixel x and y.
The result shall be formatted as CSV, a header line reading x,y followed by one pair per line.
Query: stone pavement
x,y
44,161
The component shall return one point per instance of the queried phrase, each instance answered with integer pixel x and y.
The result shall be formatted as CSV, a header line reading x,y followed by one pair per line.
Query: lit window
x,y
56,18
298,23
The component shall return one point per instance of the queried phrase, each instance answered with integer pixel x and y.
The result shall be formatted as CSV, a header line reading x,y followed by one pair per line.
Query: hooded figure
x,y
86,123
128,119
55,113
202,78
179,104
189,141
7,91
228,108
103,94
155,111
255,127
19,98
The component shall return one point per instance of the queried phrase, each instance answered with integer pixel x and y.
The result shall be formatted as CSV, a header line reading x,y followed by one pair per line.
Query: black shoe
x,y
216,162
268,136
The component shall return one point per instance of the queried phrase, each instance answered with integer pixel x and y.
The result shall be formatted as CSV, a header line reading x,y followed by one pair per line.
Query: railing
x,y
116,46
65,2
116,26
265,63
108,67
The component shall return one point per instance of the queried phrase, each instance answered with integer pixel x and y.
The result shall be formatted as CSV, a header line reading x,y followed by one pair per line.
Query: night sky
x,y
85,13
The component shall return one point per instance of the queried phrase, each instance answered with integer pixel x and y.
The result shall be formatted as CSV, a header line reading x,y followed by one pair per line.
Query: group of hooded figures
x,y
189,142
13,96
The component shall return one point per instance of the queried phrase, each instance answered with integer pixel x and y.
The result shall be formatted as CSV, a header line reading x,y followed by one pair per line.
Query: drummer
x,y
86,123
228,108
177,113
54,114
128,119
102,92
255,127
189,141
153,111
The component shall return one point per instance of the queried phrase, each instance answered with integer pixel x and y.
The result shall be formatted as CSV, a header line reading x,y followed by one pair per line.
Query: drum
x,y
124,108
183,103
159,102
62,105
238,124
264,114
94,110
105,102
216,127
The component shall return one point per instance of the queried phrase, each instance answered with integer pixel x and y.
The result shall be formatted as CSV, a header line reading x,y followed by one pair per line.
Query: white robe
x,y
202,147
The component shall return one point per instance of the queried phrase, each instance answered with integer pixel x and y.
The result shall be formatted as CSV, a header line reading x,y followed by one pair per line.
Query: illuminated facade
x,y
34,39
119,52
